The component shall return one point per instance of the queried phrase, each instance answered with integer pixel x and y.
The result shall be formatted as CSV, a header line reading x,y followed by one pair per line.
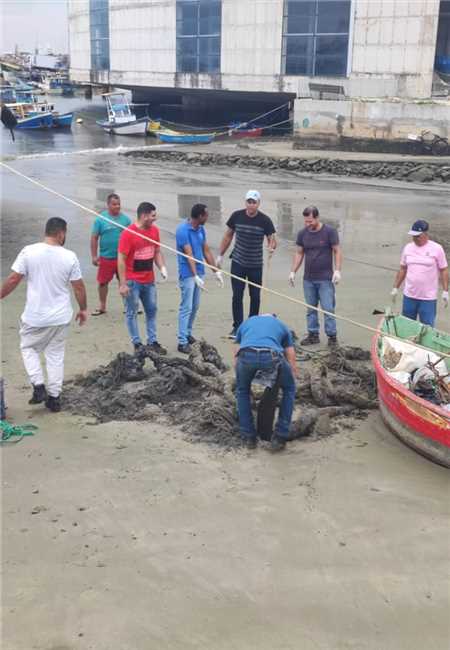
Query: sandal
x,y
98,312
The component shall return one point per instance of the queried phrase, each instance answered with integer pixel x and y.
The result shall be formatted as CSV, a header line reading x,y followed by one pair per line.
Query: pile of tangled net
x,y
197,394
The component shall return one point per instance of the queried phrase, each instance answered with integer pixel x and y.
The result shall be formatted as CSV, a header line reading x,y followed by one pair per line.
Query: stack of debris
x,y
197,394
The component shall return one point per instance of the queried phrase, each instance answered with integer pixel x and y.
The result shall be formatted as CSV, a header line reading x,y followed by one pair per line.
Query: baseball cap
x,y
253,194
418,228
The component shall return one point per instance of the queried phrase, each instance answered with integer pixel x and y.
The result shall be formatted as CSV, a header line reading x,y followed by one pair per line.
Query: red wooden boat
x,y
420,424
248,133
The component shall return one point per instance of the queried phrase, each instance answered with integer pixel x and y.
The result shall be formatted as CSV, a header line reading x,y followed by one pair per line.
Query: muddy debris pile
x,y
197,393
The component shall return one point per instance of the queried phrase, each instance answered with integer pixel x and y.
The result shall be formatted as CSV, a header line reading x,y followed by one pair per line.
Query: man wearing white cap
x,y
422,265
250,227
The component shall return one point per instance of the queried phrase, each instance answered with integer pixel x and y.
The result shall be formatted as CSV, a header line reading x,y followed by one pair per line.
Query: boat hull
x,y
39,121
136,127
423,426
170,138
249,133
63,121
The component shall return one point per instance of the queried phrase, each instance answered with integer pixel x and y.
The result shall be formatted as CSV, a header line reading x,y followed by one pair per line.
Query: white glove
x,y
336,277
394,293
292,279
163,272
219,278
199,282
445,298
219,259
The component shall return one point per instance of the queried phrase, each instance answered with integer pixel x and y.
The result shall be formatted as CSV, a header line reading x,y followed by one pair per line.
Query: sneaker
x,y
332,342
139,350
191,340
250,443
53,404
277,443
232,334
184,348
156,347
39,394
310,339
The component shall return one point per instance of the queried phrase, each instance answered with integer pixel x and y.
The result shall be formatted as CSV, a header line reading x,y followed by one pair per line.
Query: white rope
x,y
296,301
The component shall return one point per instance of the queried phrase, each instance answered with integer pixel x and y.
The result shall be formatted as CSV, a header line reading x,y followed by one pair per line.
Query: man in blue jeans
x,y
318,244
138,251
264,344
191,240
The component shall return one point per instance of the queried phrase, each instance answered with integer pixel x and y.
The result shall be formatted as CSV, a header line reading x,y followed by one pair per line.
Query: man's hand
x,y
81,317
336,277
219,259
95,261
124,290
164,273
394,293
292,278
219,278
445,298
200,283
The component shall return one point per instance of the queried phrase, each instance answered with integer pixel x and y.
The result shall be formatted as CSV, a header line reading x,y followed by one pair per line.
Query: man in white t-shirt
x,y
50,270
422,266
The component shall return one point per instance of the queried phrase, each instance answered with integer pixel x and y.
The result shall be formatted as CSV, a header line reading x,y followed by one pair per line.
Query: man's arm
x,y
337,252
10,284
271,242
225,243
187,249
94,249
79,290
236,349
399,278
159,260
297,259
444,278
209,257
291,358
123,288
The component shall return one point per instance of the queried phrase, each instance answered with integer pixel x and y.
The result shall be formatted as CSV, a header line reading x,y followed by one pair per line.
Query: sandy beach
x,y
129,536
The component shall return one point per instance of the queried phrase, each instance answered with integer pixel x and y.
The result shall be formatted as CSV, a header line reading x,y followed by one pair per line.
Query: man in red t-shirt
x,y
138,252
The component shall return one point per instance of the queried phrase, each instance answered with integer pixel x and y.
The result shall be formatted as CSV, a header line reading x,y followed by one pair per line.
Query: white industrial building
x,y
361,66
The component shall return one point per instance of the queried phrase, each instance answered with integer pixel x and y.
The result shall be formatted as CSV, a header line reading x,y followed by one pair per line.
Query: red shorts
x,y
107,269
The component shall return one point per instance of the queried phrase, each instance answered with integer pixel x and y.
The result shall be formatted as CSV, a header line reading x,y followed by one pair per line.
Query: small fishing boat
x,y
242,130
185,138
43,121
39,115
121,120
62,120
419,423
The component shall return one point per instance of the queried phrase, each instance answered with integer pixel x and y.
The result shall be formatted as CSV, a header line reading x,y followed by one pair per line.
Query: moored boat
x,y
419,423
121,120
185,138
42,121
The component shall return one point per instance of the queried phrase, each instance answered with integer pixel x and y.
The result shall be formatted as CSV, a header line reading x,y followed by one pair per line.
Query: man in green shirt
x,y
105,235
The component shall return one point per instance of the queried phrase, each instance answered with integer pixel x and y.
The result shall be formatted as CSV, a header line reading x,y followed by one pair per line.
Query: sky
x,y
31,23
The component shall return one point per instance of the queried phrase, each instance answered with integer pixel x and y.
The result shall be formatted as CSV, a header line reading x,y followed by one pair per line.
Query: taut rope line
x,y
296,301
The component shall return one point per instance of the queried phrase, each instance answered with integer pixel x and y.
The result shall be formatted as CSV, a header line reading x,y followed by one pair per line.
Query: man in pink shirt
x,y
422,264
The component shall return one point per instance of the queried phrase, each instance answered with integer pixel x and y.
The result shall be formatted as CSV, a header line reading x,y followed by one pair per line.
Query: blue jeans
x,y
146,293
248,362
425,309
322,291
190,302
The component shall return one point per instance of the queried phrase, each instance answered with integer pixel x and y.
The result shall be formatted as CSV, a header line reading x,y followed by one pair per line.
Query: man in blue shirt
x,y
264,343
191,240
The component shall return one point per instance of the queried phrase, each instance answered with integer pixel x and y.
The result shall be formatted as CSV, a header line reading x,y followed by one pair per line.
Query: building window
x,y
315,37
198,35
99,27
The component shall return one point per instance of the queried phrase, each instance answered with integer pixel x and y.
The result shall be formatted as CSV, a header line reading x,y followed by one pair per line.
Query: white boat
x,y
121,120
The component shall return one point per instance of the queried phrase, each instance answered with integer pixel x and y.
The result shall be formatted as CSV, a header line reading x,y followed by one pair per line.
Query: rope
x,y
273,292
19,430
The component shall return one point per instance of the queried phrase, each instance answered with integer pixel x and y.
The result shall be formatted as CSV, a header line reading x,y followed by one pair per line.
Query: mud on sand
x,y
337,386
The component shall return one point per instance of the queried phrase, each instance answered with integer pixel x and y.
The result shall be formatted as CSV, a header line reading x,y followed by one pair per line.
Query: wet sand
x,y
144,539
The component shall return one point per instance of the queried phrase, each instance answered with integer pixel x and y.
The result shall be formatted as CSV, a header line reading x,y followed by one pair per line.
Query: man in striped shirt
x,y
249,227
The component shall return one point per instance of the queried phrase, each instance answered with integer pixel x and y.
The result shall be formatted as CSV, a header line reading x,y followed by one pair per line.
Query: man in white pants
x,y
50,269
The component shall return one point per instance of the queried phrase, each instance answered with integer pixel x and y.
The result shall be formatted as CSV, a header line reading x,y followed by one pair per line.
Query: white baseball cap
x,y
253,194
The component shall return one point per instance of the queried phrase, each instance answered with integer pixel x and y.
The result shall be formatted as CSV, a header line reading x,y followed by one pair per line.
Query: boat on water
x,y
121,120
419,423
185,138
39,115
